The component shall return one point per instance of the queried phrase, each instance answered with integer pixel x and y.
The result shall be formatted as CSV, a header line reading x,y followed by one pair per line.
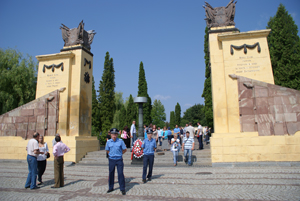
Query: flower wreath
x,y
137,149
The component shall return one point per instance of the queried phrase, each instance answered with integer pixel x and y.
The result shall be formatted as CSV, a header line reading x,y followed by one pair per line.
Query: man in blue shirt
x,y
115,148
149,146
177,132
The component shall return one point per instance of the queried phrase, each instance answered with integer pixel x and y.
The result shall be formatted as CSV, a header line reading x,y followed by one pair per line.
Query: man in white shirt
x,y
200,136
132,134
191,130
32,153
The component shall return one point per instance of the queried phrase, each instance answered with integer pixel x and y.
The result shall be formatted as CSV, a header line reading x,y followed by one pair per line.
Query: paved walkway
x,y
168,183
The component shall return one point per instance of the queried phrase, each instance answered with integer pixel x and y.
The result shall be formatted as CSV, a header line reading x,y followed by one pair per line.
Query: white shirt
x,y
175,144
31,146
132,129
191,129
42,157
200,129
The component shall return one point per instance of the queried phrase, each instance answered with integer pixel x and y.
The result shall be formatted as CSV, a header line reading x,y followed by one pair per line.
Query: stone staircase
x,y
201,158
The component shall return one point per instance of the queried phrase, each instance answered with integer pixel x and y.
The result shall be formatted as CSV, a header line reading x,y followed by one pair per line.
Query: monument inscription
x,y
246,65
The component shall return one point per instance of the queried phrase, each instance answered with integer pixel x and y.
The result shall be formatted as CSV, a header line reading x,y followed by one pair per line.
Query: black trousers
x,y
41,167
148,160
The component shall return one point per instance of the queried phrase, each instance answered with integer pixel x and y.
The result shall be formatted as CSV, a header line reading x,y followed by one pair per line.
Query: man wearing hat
x,y
115,148
149,146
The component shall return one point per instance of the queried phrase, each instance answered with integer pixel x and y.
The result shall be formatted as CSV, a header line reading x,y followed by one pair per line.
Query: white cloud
x,y
188,105
161,97
293,15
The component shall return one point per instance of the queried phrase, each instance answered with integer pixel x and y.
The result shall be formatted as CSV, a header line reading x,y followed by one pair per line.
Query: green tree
x,y
207,93
177,114
119,102
17,79
284,48
172,119
131,111
96,124
194,114
143,92
123,117
107,94
158,114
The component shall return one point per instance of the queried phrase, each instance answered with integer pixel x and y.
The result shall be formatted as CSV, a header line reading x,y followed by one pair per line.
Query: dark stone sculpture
x,y
220,16
77,36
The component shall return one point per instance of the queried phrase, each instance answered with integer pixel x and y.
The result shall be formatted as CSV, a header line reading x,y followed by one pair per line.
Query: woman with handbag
x,y
42,158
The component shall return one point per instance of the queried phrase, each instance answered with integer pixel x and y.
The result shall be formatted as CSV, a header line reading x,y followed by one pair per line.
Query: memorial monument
x,y
252,116
63,100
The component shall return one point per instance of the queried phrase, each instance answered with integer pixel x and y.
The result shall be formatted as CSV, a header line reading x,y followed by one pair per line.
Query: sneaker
x,y
123,192
144,180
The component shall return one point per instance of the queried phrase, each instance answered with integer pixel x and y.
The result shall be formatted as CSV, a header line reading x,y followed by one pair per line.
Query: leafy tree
x,y
207,93
158,114
107,94
194,114
284,48
17,79
177,114
172,119
131,111
96,124
143,92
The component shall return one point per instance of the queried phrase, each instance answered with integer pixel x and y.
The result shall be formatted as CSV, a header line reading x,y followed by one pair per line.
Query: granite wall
x,y
39,115
266,108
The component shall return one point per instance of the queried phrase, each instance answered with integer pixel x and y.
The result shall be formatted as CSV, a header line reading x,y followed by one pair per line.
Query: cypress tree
x,y
177,114
107,94
123,117
172,119
131,111
143,92
284,49
207,93
158,114
96,125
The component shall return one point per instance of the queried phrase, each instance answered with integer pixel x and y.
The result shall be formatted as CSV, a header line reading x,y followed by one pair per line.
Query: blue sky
x,y
166,35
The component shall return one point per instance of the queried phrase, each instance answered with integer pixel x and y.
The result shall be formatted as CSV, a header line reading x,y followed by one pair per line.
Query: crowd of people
x,y
174,140
37,154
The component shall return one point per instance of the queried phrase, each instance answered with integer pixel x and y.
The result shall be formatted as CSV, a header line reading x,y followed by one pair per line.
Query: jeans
x,y
188,151
175,156
32,167
159,140
200,140
133,139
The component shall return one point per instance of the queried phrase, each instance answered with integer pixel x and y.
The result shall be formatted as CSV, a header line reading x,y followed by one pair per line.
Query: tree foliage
x,y
194,114
107,94
119,102
96,123
143,92
17,79
207,93
284,46
158,114
177,114
172,119
131,111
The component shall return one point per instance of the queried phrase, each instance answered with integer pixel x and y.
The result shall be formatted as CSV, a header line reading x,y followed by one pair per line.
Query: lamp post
x,y
140,101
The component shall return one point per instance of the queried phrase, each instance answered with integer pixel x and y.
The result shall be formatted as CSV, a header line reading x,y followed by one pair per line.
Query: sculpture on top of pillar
x,y
77,36
220,16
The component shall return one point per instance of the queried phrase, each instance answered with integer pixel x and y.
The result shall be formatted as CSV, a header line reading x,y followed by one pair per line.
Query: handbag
x,y
48,155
